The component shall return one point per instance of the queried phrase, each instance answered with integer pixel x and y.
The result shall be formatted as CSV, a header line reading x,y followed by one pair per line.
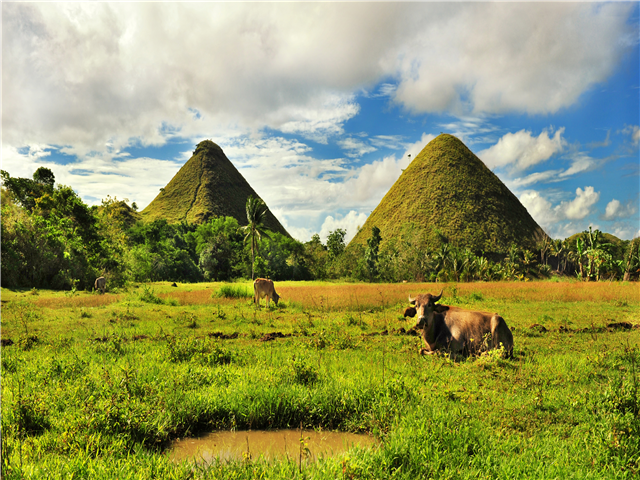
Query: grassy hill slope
x,y
207,185
448,192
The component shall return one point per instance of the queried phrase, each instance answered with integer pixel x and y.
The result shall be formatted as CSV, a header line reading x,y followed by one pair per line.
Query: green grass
x,y
101,394
234,291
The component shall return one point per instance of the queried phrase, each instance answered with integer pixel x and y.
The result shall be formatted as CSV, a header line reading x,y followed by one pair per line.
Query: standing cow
x,y
101,284
456,330
263,287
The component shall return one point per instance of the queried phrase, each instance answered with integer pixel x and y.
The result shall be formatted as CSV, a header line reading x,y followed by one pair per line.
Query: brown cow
x,y
101,284
457,330
263,287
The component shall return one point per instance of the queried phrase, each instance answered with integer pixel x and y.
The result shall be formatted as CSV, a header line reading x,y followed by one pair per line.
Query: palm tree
x,y
256,213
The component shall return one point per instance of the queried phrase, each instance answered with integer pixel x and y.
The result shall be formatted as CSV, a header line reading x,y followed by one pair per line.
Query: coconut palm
x,y
256,214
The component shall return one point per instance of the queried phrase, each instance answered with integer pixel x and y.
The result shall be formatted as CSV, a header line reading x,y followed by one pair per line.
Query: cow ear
x,y
409,312
440,308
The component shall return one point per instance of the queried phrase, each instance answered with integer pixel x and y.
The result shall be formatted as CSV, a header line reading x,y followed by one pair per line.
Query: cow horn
x,y
412,301
435,299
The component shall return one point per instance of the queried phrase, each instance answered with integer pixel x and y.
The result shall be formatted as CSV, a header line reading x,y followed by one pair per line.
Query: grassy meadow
x,y
97,386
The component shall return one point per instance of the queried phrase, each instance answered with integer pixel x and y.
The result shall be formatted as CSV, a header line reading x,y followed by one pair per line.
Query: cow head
x,y
275,298
424,306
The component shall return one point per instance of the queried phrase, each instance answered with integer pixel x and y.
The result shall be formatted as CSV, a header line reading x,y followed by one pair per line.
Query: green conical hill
x,y
447,192
207,185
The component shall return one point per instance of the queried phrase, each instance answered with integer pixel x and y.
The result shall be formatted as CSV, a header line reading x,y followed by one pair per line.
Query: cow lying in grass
x,y
458,331
264,288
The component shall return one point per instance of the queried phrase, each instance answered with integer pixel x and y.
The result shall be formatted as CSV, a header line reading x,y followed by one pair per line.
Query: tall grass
x,y
234,291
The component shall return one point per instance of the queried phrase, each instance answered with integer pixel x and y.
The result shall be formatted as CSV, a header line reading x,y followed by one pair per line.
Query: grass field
x,y
97,386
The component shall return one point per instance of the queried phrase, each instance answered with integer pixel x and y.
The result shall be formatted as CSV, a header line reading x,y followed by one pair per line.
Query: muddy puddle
x,y
269,444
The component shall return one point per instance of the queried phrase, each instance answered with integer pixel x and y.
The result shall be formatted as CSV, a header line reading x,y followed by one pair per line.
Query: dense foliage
x,y
52,239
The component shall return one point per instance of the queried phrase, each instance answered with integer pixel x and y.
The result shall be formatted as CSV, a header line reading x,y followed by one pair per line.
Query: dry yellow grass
x,y
79,301
355,296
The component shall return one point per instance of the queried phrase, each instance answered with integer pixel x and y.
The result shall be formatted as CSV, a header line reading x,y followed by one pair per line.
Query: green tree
x,y
317,256
632,260
25,191
256,214
218,245
335,243
371,253
44,176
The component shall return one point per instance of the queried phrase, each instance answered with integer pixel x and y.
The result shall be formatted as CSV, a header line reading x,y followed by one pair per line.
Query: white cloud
x,y
350,222
355,148
580,163
634,132
521,150
612,209
615,209
98,176
580,206
86,74
538,177
558,219
316,122
498,57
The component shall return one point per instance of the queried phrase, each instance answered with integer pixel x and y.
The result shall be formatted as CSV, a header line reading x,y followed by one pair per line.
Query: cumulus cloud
x,y
89,74
580,206
615,209
522,150
351,222
553,218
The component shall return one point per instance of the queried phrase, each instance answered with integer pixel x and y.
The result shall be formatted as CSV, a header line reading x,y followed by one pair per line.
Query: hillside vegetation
x,y
448,195
208,185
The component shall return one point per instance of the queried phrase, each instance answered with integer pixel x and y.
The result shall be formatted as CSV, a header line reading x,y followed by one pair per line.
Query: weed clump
x,y
302,371
148,296
233,291
204,352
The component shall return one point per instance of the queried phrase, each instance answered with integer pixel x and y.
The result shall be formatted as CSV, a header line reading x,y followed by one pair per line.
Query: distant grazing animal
x,y
456,330
264,288
101,284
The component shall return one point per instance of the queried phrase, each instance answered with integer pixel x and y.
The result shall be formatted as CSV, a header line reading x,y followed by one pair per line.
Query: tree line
x,y
52,239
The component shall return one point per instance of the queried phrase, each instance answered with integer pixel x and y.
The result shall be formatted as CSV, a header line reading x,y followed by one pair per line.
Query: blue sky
x,y
320,105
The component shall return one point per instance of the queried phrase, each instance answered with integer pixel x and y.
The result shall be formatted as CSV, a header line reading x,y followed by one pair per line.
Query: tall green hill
x,y
207,185
448,194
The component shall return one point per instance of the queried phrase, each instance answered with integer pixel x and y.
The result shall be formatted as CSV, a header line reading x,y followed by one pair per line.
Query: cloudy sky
x,y
320,105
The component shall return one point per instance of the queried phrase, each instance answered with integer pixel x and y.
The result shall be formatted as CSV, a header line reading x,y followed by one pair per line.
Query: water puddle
x,y
306,446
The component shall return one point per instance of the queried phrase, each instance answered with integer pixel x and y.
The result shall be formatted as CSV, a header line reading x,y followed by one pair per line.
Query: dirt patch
x,y
224,336
621,326
375,334
538,328
273,335
139,337
6,342
412,332
610,327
